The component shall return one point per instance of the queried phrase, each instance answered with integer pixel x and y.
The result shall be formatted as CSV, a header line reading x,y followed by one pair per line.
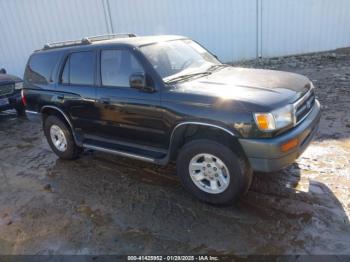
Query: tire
x,y
239,173
21,112
53,125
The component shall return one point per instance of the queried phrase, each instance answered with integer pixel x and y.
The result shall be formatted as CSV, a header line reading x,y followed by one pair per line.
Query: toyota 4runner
x,y
166,98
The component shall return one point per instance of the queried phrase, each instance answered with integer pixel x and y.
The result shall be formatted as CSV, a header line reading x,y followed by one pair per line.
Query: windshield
x,y
172,59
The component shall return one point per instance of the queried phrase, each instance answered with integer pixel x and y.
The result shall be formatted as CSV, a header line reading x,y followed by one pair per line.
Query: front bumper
x,y
265,154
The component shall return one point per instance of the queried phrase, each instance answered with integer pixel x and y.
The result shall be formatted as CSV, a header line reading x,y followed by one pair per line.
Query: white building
x,y
232,29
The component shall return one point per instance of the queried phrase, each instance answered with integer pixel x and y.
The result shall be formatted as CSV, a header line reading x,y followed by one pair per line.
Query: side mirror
x,y
3,71
138,81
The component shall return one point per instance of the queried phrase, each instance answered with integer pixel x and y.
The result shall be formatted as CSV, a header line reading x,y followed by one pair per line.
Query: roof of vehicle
x,y
132,40
140,40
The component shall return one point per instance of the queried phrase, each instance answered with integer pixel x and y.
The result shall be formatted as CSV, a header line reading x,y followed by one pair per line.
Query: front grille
x,y
6,89
304,106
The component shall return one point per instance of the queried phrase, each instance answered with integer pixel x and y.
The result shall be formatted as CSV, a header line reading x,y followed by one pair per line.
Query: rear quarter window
x,y
40,67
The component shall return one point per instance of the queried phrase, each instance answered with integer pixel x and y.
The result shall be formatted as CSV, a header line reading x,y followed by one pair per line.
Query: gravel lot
x,y
103,204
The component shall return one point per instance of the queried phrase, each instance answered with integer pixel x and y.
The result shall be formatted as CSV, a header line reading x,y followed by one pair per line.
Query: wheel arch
x,y
188,131
48,110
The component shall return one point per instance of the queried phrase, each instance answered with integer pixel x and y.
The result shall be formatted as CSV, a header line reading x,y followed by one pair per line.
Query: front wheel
x,y
212,172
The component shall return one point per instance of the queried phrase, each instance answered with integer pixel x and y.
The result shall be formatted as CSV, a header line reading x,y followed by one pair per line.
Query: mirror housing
x,y
3,71
138,81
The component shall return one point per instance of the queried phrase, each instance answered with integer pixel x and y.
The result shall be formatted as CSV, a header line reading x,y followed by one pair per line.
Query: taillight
x,y
24,100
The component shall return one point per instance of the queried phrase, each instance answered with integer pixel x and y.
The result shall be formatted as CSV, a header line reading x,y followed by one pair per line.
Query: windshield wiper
x,y
215,67
187,76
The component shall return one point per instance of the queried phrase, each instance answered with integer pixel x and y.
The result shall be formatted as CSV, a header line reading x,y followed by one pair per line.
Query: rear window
x,y
40,67
79,69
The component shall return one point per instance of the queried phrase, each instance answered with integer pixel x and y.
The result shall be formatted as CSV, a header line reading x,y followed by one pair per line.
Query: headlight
x,y
274,120
18,85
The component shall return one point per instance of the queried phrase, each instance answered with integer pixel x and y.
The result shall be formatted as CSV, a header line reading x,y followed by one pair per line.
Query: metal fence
x,y
232,29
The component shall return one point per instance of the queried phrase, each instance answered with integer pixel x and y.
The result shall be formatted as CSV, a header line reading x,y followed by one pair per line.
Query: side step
x,y
126,151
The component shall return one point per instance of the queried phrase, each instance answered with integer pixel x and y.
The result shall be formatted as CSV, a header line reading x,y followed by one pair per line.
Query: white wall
x,y
26,25
232,29
301,26
226,27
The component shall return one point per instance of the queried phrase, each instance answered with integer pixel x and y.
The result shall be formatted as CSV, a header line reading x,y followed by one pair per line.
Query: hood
x,y
5,78
264,87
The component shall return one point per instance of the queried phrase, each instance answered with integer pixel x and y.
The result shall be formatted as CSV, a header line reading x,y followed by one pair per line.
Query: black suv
x,y
166,98
10,93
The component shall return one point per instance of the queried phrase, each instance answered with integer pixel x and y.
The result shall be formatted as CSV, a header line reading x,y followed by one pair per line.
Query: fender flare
x,y
66,118
173,132
201,124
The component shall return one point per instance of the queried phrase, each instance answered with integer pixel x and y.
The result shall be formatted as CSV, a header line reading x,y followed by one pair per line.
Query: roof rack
x,y
91,39
86,40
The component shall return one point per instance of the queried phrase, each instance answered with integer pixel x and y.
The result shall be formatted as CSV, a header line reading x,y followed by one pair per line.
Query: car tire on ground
x,y
20,111
60,138
212,172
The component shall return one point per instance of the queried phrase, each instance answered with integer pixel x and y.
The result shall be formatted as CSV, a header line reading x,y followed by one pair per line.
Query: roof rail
x,y
86,40
91,39
63,44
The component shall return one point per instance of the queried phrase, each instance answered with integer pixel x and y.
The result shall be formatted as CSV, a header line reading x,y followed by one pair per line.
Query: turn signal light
x,y
262,121
289,145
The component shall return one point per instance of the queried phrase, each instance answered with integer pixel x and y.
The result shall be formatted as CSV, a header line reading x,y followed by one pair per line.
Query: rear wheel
x,y
213,172
60,138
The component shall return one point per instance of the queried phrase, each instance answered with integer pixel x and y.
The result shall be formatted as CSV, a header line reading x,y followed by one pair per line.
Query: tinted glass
x,y
40,67
117,66
81,68
65,73
174,58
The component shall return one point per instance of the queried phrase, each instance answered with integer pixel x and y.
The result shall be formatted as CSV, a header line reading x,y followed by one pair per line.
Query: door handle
x,y
60,97
105,101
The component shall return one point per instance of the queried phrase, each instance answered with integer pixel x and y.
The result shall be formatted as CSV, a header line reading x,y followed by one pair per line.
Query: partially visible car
x,y
10,93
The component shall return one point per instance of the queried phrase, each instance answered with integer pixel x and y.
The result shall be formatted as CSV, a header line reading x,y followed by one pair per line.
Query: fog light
x,y
289,145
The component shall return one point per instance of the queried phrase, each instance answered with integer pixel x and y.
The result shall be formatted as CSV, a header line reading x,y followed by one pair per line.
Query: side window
x,y
65,73
79,69
40,67
117,66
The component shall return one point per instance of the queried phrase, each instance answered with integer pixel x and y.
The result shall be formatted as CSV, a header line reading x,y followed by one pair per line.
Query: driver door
x,y
126,114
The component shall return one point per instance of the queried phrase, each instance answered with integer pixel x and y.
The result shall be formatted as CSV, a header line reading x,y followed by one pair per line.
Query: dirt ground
x,y
103,204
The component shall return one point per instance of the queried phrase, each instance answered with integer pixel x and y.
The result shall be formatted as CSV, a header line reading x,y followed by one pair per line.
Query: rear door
x,y
127,114
77,86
